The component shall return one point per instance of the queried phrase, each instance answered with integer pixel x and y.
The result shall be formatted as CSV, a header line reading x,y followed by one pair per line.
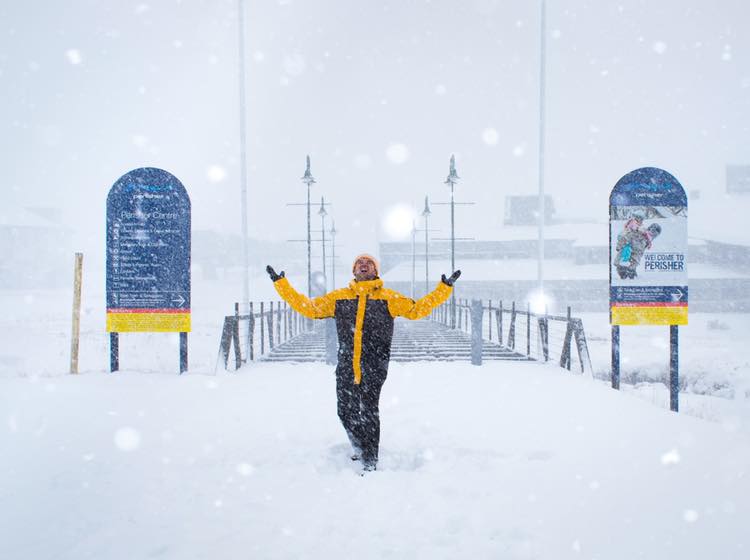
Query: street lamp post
x,y
243,151
541,208
413,257
426,214
333,255
451,180
322,213
308,179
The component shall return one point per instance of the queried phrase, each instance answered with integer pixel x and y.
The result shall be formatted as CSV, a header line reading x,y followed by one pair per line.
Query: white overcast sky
x,y
379,93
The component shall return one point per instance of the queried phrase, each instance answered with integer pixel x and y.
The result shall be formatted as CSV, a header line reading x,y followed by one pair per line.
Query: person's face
x,y
364,269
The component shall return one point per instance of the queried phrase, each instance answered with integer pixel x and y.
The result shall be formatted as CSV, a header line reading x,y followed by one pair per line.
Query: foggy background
x,y
379,93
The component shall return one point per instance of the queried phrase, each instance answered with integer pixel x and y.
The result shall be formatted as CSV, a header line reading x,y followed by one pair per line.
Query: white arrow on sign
x,y
179,300
677,296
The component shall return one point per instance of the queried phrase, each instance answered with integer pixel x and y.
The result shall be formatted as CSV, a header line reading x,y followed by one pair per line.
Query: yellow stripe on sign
x,y
650,315
148,322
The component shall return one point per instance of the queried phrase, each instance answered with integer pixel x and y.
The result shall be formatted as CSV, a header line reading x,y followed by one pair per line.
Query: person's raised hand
x,y
272,273
452,279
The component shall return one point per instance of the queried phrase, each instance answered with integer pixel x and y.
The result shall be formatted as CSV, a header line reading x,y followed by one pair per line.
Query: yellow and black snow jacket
x,y
364,313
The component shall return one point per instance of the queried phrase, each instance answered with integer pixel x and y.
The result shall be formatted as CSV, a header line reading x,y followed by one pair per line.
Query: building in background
x,y
37,250
577,261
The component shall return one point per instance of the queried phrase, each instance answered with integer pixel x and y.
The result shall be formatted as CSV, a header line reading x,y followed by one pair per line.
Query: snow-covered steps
x,y
412,341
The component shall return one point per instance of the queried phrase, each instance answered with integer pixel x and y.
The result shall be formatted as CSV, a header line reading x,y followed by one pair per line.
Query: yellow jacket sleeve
x,y
317,308
402,306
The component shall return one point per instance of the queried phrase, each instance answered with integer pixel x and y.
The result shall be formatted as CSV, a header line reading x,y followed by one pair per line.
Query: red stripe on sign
x,y
651,304
120,310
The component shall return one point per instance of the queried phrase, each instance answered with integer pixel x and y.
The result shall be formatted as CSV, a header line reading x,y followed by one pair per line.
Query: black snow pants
x,y
358,409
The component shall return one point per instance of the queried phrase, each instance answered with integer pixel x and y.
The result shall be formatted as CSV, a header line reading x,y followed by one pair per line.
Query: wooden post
x,y
500,322
528,329
476,332
286,323
567,342
236,337
262,331
251,335
489,317
270,326
278,323
75,336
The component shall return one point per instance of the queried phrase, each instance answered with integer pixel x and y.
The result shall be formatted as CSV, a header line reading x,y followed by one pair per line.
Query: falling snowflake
x,y
216,173
670,458
490,136
127,439
397,153
245,469
690,515
74,56
660,47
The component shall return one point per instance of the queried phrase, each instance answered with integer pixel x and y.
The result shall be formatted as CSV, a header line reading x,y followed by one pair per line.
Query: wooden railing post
x,y
262,331
270,326
251,328
236,336
528,329
476,332
278,323
500,322
489,321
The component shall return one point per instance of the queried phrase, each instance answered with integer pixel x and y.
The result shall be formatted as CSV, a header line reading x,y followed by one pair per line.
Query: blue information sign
x,y
148,253
648,250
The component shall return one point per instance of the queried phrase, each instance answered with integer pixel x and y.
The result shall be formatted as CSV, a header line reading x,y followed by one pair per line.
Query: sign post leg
x,y
183,352
114,351
674,368
616,357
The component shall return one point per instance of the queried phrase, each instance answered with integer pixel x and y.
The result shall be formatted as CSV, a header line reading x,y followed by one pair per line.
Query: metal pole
x,y
243,150
615,356
426,213
453,259
541,217
674,369
453,233
413,257
323,241
309,246
333,255
426,256
183,352
452,180
308,179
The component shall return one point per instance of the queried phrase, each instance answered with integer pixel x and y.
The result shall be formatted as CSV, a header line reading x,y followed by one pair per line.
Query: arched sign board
x,y
148,256
648,250
648,278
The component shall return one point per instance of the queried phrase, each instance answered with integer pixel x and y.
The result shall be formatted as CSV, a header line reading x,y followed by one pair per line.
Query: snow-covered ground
x,y
509,460
504,461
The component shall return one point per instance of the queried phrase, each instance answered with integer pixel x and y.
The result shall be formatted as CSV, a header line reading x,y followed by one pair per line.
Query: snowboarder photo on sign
x,y
631,244
364,312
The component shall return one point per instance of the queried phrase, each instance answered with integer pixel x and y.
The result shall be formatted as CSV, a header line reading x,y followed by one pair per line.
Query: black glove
x,y
272,273
452,280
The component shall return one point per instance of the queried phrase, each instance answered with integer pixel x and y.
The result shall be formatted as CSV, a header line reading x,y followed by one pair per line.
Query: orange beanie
x,y
369,257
